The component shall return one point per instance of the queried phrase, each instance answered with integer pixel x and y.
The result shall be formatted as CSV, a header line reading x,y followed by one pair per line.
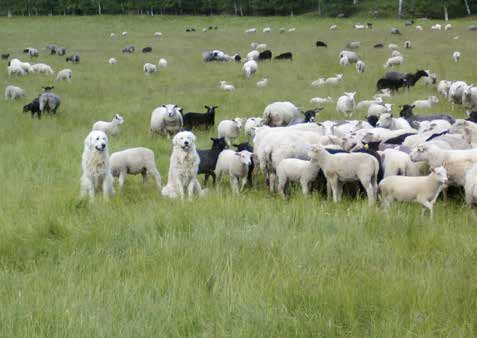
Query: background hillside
x,y
379,8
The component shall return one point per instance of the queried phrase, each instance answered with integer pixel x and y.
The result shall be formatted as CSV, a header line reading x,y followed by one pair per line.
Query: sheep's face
x,y
219,143
350,95
118,119
185,140
441,174
384,120
238,122
172,111
419,154
245,157
96,140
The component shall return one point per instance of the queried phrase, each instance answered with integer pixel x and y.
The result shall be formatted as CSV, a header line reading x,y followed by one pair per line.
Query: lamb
x,y
251,30
394,61
109,128
346,103
134,161
284,56
207,119
318,83
13,92
430,79
250,125
236,165
64,75
393,46
319,100
386,120
423,190
360,66
279,114
75,58
33,52
334,80
162,63
229,129
166,119
352,56
469,98
291,30
346,167
456,56
333,27
208,158
49,101
33,107
426,104
407,44
128,49
42,68
456,92
448,27
471,186
419,28
262,83
249,68
265,55
149,68
226,87
112,61
378,109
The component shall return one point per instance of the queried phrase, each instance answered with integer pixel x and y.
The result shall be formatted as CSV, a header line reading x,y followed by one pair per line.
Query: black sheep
x,y
411,78
5,56
407,113
284,56
372,120
379,45
248,147
398,139
391,84
128,49
265,55
208,158
75,58
206,119
33,107
147,49
321,44
472,117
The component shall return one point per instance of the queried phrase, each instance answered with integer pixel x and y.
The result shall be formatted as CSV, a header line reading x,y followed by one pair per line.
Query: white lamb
x,y
386,120
226,87
321,100
162,63
456,56
366,103
379,109
334,80
360,66
249,68
352,56
250,125
396,162
42,68
236,165
230,129
13,92
318,83
394,61
448,27
112,61
469,98
167,120
149,68
345,104
262,83
426,104
134,161
443,87
251,30
471,186
110,128
64,75
423,190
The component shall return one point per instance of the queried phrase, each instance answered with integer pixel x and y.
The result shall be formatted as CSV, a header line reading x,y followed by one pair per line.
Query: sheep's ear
x,y
213,139
163,105
215,107
237,153
413,106
206,107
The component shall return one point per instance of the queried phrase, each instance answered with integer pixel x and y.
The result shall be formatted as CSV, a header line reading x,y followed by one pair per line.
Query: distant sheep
x,y
249,68
13,92
110,128
226,87
112,61
64,75
456,56
149,68
345,104
50,102
42,68
426,104
162,63
75,58
360,66
147,49
262,83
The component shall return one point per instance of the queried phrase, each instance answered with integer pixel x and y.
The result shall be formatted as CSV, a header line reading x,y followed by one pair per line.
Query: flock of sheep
x,y
406,158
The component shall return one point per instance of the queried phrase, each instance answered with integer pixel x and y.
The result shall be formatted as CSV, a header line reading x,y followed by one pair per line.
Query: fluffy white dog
x,y
95,165
183,168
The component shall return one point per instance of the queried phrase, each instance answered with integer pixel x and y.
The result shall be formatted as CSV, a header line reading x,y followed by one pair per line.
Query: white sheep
x,y
407,44
230,129
291,30
112,35
333,27
110,128
112,61
162,63
149,68
394,61
64,75
426,104
42,68
386,120
261,46
334,80
456,56
360,66
443,87
251,30
456,92
321,100
15,70
167,120
250,125
345,104
436,27
279,113
448,27
134,161
430,79
236,165
348,167
434,126
344,61
253,55
470,186
469,98
157,34
393,46
249,68
318,83
423,190
226,87
262,83
124,33
267,30
378,109
419,28
13,92
359,26
366,103
396,162
395,53
23,65
352,56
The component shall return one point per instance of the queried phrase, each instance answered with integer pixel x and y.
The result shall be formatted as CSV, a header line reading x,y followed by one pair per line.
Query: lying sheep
x,y
426,104
365,104
423,190
226,87
471,186
110,128
386,120
235,164
166,119
134,161
149,68
229,129
345,104
379,109
334,80
393,46
320,100
75,58
13,92
394,61
64,75
42,68
249,68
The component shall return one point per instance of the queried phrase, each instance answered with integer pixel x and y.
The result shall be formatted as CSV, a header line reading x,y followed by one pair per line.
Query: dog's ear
x,y
193,138
87,141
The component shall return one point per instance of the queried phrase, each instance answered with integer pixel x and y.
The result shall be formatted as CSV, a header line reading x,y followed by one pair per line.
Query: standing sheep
x,y
42,68
134,161
456,56
13,92
166,119
229,129
110,128
64,75
162,63
149,68
236,165
50,102
279,114
249,68
345,104
360,66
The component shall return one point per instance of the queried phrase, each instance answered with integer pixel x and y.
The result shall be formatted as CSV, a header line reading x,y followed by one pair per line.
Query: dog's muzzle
x,y
103,146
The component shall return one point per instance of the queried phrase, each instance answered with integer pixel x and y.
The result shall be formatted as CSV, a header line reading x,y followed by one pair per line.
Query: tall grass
x,y
253,265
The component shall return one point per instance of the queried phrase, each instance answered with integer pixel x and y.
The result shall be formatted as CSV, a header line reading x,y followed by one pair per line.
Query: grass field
x,y
253,265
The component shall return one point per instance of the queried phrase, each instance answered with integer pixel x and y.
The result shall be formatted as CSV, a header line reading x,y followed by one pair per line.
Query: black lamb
x,y
208,158
33,107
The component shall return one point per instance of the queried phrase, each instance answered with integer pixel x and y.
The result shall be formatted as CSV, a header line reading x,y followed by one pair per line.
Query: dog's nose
x,y
103,145
186,143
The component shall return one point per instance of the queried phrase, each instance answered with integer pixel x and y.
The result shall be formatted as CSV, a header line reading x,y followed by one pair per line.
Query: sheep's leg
x,y
281,187
213,178
305,187
206,178
122,178
272,177
369,191
444,195
145,176
328,189
157,177
339,189
428,205
244,182
234,184
334,188
179,189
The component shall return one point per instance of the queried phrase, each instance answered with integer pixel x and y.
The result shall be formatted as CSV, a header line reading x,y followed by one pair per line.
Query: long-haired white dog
x,y
95,165
183,168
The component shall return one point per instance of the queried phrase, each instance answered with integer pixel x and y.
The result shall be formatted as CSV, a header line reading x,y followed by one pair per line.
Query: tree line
x,y
378,8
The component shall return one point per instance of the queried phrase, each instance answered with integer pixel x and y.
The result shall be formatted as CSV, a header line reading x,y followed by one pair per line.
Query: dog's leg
x,y
179,189
86,187
108,189
190,189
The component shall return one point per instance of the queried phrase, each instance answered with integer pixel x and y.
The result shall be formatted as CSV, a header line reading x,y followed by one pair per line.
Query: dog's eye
x,y
97,138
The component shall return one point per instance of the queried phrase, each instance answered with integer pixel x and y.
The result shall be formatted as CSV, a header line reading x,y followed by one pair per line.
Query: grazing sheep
x,y
426,104
208,158
321,44
407,44
333,27
206,120
253,55
443,87
112,61
344,61
395,31
157,34
471,186
33,107
250,125
345,104
394,61
430,79
32,52
396,162
162,63
469,98
42,68
13,92
448,27
279,114
456,92
235,164
75,58
352,56
149,68
267,30
284,56
262,83
134,161
229,129
360,66
249,68
265,55
64,75
226,87
147,49
5,56
110,128
456,56
436,27
320,100
166,119
423,190
128,49
419,28
348,167
61,51
15,70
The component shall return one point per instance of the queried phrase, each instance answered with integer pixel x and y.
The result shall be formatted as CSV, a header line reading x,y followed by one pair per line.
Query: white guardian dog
x,y
183,168
95,165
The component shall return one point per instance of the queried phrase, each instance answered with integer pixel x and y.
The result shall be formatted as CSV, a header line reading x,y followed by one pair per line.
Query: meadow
x,y
238,266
